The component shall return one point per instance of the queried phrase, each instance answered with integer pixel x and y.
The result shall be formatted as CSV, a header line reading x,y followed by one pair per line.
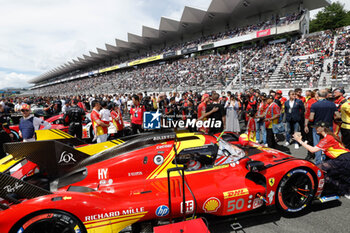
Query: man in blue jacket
x,y
294,110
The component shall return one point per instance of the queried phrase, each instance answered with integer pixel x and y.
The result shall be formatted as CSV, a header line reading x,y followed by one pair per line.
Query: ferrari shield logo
x,y
272,181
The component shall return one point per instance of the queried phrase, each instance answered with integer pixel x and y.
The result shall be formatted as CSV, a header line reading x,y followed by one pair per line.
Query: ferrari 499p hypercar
x,y
147,180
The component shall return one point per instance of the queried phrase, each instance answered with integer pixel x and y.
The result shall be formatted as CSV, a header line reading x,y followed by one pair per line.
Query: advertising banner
x,y
263,33
109,69
207,46
169,54
145,60
189,50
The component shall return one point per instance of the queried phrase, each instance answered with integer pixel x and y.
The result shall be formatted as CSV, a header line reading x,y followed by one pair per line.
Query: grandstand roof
x,y
219,12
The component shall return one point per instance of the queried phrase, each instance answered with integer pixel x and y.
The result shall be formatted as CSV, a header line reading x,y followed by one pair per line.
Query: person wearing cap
x,y
345,126
321,111
337,168
29,123
280,97
272,115
338,94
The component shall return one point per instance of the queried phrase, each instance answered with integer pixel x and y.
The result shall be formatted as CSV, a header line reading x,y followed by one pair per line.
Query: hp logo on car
x,y
162,211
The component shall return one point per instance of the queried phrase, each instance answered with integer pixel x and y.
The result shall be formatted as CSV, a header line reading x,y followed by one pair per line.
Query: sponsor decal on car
x,y
211,205
103,174
158,159
319,173
271,181
164,146
321,183
114,214
135,174
14,188
189,206
66,158
162,211
257,203
236,193
270,196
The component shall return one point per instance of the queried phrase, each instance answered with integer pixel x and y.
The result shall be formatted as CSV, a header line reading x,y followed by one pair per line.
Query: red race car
x,y
152,177
57,122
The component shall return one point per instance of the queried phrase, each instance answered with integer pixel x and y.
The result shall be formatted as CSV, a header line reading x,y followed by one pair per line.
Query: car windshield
x,y
228,153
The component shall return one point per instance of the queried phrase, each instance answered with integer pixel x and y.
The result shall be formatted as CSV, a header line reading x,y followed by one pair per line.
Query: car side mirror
x,y
255,166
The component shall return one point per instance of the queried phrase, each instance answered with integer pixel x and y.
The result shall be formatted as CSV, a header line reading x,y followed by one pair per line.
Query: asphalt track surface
x,y
321,218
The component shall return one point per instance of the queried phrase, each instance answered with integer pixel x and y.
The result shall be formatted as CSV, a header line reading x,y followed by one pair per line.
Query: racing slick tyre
x,y
49,221
295,192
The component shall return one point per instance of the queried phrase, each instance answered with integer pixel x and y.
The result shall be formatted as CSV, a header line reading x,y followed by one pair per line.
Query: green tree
x,y
331,17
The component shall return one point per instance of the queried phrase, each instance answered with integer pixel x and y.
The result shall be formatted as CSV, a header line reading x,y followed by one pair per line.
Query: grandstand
x,y
203,51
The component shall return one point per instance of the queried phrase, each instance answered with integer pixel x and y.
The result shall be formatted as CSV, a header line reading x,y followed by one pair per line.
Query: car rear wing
x,y
13,189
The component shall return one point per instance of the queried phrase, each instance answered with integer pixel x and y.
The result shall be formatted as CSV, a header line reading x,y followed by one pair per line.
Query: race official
x,y
74,117
29,123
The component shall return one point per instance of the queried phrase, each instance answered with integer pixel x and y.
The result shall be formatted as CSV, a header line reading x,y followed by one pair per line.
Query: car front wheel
x,y
295,191
51,221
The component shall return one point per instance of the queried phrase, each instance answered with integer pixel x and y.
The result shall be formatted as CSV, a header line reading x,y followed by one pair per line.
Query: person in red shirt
x,y
271,118
202,114
136,113
251,126
100,128
309,136
280,97
337,168
298,91
81,104
117,120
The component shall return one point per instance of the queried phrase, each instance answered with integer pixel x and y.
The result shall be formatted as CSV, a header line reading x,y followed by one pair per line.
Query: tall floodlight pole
x,y
240,72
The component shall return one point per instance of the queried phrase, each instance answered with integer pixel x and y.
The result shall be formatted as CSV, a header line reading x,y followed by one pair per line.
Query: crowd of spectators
x,y
341,63
320,117
261,64
322,42
307,72
205,39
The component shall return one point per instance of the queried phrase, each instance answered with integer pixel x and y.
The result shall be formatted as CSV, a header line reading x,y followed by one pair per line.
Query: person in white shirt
x,y
66,106
105,113
29,123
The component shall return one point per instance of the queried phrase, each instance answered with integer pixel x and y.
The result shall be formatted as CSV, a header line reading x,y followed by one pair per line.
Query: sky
x,y
38,35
